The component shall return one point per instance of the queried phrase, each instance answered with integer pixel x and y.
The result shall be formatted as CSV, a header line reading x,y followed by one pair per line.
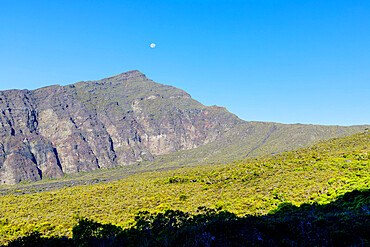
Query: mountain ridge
x,y
122,120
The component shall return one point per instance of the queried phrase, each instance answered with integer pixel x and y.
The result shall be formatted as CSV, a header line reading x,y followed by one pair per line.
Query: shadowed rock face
x,y
99,124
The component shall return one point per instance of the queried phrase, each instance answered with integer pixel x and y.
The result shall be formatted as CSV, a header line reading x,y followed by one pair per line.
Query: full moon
x,y
152,45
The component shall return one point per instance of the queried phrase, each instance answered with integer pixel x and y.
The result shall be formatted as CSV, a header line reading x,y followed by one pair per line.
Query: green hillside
x,y
319,174
253,139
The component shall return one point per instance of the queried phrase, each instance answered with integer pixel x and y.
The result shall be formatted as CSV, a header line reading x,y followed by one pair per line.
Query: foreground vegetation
x,y
312,176
345,222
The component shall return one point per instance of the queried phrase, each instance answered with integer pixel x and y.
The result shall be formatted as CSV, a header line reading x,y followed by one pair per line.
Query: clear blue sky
x,y
264,60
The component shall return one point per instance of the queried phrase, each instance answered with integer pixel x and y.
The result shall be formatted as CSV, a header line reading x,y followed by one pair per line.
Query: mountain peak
x,y
126,75
132,72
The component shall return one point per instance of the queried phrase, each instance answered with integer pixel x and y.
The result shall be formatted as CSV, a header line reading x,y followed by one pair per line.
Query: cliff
x,y
99,124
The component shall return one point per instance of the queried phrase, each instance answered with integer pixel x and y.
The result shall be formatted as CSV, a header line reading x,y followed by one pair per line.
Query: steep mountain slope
x,y
126,119
99,124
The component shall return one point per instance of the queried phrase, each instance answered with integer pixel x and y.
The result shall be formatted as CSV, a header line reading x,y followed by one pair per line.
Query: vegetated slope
x,y
250,140
318,174
124,119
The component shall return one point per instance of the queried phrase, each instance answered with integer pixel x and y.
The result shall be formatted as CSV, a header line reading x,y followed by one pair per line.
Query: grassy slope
x,y
254,186
253,139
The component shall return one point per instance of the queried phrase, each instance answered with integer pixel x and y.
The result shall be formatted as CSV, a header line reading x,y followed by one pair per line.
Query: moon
x,y
153,45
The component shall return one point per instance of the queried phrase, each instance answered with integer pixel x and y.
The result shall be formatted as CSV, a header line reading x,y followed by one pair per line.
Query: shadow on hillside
x,y
344,222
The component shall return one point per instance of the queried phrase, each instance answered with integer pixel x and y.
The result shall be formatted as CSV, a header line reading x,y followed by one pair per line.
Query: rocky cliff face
x,y
99,124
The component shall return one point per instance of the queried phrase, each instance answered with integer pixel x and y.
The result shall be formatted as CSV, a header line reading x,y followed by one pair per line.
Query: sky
x,y
264,60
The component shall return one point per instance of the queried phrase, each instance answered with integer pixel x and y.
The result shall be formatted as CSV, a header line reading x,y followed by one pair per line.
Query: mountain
x,y
124,119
